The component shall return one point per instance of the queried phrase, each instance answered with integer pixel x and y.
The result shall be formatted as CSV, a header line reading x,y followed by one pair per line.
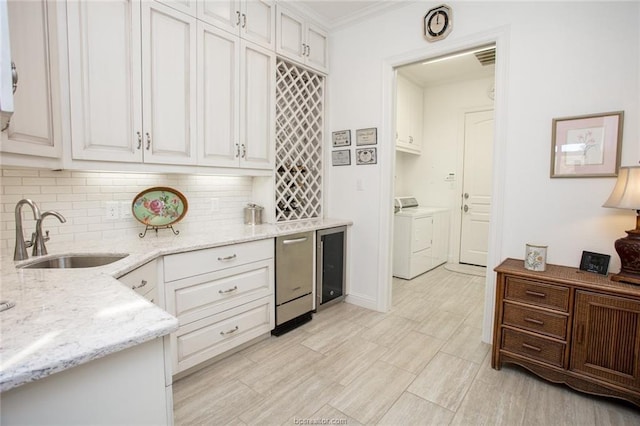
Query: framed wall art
x,y
341,138
341,157
367,136
586,146
366,156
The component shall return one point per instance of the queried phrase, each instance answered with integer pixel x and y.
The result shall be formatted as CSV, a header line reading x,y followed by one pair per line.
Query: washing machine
x,y
420,237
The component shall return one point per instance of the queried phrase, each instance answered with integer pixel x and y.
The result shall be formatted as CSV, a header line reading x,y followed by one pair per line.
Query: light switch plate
x,y
112,210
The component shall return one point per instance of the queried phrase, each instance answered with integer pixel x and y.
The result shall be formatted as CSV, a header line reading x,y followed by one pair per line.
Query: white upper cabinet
x,y
236,101
35,127
218,97
257,107
106,80
169,85
301,40
253,20
132,82
409,116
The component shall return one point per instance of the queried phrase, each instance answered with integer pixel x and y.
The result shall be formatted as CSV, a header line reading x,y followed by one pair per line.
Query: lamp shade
x,y
626,193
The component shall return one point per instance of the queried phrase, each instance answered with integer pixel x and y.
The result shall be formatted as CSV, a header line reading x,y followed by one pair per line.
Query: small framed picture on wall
x,y
341,157
341,138
367,136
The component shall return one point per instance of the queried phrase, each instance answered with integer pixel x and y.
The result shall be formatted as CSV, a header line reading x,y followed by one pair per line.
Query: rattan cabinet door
x,y
606,338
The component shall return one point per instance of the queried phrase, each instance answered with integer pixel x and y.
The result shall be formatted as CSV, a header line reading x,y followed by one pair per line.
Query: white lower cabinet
x,y
144,281
213,335
223,297
126,387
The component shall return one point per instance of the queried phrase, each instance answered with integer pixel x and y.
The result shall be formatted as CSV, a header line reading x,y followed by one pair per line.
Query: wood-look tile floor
x,y
422,363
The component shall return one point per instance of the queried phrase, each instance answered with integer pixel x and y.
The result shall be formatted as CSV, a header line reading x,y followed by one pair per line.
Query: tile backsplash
x,y
82,197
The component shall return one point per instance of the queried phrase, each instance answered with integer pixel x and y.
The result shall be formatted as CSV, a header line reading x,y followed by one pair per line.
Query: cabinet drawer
x,y
533,347
211,336
193,298
535,293
554,325
143,280
188,264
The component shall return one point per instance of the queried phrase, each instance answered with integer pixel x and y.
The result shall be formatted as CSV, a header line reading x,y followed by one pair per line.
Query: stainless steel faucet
x,y
20,252
39,248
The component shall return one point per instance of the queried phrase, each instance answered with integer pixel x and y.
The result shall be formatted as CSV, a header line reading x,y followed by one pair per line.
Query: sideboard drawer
x,y
533,347
548,323
535,293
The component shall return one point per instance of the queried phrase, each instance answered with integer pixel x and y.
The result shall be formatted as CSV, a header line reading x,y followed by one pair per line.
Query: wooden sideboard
x,y
569,326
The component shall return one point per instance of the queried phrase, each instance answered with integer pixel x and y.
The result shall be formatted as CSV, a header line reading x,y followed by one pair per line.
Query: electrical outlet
x,y
215,205
125,209
112,210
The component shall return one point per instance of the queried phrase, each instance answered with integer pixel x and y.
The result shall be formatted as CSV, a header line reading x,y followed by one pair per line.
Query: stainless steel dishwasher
x,y
294,281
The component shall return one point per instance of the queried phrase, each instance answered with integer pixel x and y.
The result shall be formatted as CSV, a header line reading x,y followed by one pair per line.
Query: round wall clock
x,y
438,23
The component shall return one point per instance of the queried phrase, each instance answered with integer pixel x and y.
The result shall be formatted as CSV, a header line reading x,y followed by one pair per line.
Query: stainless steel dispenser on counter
x,y
253,214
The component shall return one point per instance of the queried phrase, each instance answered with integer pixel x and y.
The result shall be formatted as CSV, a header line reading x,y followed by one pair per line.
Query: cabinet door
x,y
185,6
408,115
318,48
257,107
105,80
290,37
169,85
416,116
224,14
35,125
258,22
606,338
218,97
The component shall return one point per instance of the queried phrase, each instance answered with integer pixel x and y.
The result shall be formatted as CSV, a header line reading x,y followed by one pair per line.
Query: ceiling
x,y
334,13
451,68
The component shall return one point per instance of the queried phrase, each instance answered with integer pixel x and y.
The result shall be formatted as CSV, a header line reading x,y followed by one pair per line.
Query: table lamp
x,y
626,195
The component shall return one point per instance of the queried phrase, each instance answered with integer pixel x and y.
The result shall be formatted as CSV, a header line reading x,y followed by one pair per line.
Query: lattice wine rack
x,y
299,132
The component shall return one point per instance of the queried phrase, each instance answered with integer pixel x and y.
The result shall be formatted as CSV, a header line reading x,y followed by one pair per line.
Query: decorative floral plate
x,y
159,206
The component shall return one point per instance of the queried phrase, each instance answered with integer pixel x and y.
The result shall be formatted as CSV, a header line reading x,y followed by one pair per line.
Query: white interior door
x,y
476,187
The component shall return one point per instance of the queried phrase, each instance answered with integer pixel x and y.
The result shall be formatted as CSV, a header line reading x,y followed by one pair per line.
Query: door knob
x,y
466,195
465,208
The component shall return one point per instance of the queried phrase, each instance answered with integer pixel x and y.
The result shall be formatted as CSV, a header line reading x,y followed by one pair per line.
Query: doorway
x,y
452,153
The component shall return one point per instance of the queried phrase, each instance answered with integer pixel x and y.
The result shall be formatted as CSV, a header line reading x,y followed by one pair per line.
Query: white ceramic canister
x,y
253,214
535,257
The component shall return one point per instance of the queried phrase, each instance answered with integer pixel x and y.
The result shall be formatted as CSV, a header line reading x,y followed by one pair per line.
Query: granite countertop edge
x,y
63,318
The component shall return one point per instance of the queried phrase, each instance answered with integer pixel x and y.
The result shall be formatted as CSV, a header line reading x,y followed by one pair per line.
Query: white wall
x,y
559,66
81,198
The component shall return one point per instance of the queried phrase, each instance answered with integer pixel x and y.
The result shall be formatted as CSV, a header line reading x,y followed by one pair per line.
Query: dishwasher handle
x,y
295,240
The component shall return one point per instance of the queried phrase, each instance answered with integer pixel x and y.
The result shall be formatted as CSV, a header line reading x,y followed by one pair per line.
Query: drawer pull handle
x,y
296,289
533,348
227,258
225,333
6,304
235,287
534,321
142,284
295,240
535,293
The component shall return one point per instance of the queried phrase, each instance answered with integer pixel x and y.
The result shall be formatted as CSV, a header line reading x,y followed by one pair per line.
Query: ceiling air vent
x,y
486,57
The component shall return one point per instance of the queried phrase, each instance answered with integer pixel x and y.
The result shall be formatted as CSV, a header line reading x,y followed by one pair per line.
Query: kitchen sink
x,y
65,261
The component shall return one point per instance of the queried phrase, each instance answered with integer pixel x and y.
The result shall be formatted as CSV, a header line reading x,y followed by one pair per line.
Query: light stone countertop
x,y
66,317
